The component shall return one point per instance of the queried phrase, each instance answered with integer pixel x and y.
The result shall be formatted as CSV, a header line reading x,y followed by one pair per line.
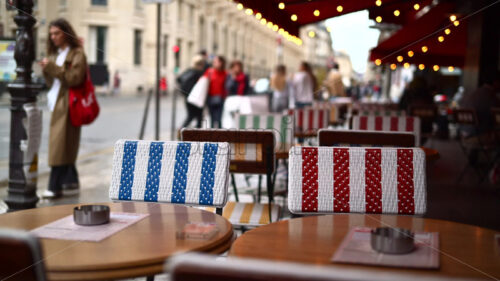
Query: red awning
x,y
406,11
425,31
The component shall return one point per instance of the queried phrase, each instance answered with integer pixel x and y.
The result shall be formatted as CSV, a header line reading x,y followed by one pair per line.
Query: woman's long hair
x,y
307,68
278,79
69,35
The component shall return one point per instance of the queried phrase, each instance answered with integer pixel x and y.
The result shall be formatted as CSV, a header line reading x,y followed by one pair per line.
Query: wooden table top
x,y
465,250
138,250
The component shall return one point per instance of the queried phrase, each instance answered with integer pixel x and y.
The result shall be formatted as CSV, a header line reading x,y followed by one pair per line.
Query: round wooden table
x,y
138,250
465,250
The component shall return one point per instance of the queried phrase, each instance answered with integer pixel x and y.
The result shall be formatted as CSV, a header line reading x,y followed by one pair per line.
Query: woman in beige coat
x,y
65,67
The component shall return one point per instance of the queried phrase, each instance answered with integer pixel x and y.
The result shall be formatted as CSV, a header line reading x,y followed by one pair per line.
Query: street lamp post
x,y
25,126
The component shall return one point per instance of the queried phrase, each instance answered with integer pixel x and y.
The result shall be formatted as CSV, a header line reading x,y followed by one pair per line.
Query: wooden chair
x,y
193,266
252,153
388,123
364,180
21,257
328,137
188,173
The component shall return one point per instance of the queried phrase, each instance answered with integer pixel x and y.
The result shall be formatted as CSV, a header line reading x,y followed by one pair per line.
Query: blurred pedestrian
x,y
217,93
116,84
237,82
206,64
65,67
304,84
186,82
281,89
333,82
163,85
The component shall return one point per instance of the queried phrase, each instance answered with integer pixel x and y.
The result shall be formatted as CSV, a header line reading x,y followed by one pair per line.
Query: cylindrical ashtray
x,y
91,214
392,240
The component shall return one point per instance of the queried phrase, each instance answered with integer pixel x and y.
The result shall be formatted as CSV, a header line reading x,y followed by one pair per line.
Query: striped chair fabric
x,y
309,120
281,124
388,123
382,112
248,214
190,173
334,116
364,180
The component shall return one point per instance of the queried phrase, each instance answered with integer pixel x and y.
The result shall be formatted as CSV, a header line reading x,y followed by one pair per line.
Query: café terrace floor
x,y
467,201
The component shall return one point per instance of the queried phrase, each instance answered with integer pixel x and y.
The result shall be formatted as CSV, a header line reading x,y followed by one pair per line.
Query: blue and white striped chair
x,y
190,173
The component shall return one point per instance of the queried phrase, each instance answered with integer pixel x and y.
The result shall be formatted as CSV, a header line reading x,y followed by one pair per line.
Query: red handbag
x,y
83,106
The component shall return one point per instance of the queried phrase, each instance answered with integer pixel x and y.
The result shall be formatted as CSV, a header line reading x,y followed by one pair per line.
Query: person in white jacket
x,y
303,86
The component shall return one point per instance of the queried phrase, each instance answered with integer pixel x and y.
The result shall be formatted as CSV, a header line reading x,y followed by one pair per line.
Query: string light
x,y
400,58
435,67
263,21
451,68
312,34
258,16
378,3
294,17
447,31
440,38
281,31
329,29
239,6
249,12
453,18
424,49
281,6
393,66
406,65
416,7
456,23
397,13
378,62
378,19
340,8
421,66
410,54
316,13
269,24
275,27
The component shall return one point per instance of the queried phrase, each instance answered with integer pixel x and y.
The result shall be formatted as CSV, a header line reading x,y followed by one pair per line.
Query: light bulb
x,y
378,62
281,5
400,58
316,13
424,49
340,8
294,17
397,13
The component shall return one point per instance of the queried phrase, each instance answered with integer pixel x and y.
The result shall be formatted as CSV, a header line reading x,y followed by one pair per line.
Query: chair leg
x,y
234,188
270,194
259,189
150,278
218,211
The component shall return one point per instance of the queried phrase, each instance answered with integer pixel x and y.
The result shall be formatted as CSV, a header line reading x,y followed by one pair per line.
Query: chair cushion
x,y
356,179
191,173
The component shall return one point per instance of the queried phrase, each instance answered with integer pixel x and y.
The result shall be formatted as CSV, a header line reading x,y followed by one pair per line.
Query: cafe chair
x,y
379,112
252,152
388,123
194,266
21,257
188,173
357,180
329,137
335,111
308,121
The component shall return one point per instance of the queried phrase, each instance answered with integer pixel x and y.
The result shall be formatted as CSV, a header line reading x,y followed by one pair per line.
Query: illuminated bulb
x,y
453,18
393,66
269,24
421,66
281,5
378,19
410,54
456,23
329,29
299,41
435,67
378,3
451,68
378,62
294,17
281,31
440,38
316,13
400,58
340,8
447,31
311,34
249,12
406,65
275,27
263,21
258,16
239,6
416,7
397,13
425,49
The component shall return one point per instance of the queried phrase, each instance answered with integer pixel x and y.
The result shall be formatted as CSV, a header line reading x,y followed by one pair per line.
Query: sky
x,y
353,34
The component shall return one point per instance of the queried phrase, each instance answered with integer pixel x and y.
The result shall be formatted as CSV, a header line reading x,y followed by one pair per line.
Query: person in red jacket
x,y
216,90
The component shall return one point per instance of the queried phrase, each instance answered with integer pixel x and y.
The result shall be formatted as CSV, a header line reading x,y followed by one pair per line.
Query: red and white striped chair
x,y
364,180
309,120
388,123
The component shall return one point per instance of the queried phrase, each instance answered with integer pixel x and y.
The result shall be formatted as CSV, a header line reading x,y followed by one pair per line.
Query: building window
x,y
99,2
202,34
97,42
137,46
180,14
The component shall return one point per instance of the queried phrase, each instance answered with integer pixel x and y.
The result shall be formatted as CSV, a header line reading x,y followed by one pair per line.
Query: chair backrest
x,y
333,108
193,266
190,173
252,151
328,137
465,117
364,180
388,123
21,257
281,124
309,119
381,112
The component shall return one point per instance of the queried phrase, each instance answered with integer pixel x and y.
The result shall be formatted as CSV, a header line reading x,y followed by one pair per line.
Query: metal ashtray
x,y
392,240
91,214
